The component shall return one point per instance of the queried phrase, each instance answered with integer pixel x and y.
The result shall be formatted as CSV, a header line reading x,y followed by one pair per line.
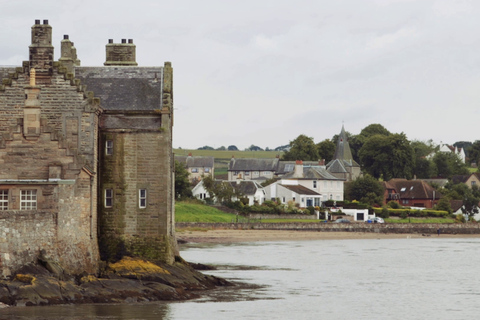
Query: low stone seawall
x,y
282,216
427,228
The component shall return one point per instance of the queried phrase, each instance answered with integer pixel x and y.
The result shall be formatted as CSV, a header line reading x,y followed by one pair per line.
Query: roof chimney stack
x,y
121,54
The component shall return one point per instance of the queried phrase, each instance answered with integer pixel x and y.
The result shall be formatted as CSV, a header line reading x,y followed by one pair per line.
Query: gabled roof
x,y
414,189
336,166
460,178
312,173
288,166
300,190
245,164
456,205
245,187
124,88
196,161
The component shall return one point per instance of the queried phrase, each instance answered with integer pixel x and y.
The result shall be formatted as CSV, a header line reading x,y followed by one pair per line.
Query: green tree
x,y
388,156
182,183
449,164
302,148
424,168
221,190
469,196
326,150
474,152
232,148
444,205
366,189
222,148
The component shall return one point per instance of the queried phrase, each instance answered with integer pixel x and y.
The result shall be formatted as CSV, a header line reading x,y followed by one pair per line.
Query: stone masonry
x,y
68,155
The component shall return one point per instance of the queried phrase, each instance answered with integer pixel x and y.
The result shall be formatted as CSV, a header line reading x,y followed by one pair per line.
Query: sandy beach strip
x,y
232,236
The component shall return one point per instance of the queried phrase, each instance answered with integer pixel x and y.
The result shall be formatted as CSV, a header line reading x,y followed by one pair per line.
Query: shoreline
x,y
233,236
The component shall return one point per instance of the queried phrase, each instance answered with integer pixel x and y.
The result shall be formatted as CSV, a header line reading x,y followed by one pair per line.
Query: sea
x,y
421,278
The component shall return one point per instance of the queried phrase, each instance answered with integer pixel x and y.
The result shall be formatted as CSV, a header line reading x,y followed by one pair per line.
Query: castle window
x,y
3,199
109,147
142,198
108,198
28,200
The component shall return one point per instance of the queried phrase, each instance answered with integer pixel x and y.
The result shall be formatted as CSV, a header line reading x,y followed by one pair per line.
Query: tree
x,y
205,148
449,164
302,148
222,148
326,150
254,148
232,148
221,190
474,152
444,205
388,156
366,189
469,196
182,184
424,167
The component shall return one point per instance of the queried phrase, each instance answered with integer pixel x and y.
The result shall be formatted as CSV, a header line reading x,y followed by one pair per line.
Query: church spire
x,y
343,152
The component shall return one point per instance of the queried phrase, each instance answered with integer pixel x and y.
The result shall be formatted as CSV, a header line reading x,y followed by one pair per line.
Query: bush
x,y
393,205
384,213
310,210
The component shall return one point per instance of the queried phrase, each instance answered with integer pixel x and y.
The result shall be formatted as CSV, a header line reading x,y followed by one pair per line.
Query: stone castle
x,y
86,163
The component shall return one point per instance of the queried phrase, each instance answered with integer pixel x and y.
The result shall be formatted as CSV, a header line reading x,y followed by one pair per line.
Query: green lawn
x,y
193,212
421,220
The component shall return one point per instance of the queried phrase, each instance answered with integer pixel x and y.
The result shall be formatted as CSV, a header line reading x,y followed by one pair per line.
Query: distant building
x,y
197,166
342,165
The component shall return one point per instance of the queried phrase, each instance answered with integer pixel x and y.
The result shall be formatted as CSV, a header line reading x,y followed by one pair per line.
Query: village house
x,y
248,189
260,169
411,193
470,180
197,166
86,156
306,186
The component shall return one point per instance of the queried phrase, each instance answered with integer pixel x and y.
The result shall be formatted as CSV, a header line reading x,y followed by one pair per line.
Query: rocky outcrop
x,y
128,280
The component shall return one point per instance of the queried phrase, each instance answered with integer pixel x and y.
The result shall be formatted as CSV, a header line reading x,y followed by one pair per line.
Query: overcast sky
x,y
265,71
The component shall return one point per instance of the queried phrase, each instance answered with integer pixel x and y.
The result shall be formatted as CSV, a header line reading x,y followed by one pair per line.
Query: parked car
x,y
378,220
342,220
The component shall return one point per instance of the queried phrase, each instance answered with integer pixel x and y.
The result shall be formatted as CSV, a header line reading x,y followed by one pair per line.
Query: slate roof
x,y
414,189
336,166
196,161
288,166
124,88
301,190
245,187
312,173
246,164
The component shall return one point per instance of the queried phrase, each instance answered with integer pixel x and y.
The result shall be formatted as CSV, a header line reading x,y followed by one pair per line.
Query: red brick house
x,y
411,193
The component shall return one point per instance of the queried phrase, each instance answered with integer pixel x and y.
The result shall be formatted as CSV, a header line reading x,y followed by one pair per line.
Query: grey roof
x,y
301,190
288,166
336,166
343,152
312,173
196,161
245,187
124,88
245,164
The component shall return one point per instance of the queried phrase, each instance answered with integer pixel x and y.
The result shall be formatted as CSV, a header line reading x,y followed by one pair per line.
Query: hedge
x,y
414,213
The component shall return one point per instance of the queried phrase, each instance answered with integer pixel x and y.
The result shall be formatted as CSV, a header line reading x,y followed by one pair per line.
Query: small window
x,y
142,198
256,173
28,200
474,183
247,173
109,147
194,170
283,199
3,199
108,198
207,170
314,184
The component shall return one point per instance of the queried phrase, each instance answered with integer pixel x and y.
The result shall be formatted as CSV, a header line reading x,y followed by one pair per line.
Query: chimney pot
x,y
45,21
37,21
110,40
130,40
65,37
124,40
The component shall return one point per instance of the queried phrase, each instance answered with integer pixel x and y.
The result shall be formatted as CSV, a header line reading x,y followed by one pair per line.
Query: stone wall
x,y
427,228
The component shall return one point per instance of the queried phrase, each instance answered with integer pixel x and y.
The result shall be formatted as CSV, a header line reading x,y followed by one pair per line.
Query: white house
x,y
244,189
317,184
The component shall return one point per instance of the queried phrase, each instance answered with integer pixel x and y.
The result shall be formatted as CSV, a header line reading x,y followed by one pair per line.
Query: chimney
x,y
41,51
120,54
68,54
298,171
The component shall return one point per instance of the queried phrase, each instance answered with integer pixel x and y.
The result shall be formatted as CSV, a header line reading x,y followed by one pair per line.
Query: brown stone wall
x,y
141,160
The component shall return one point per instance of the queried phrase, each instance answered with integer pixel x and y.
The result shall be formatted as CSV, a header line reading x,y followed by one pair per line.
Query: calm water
x,y
428,278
